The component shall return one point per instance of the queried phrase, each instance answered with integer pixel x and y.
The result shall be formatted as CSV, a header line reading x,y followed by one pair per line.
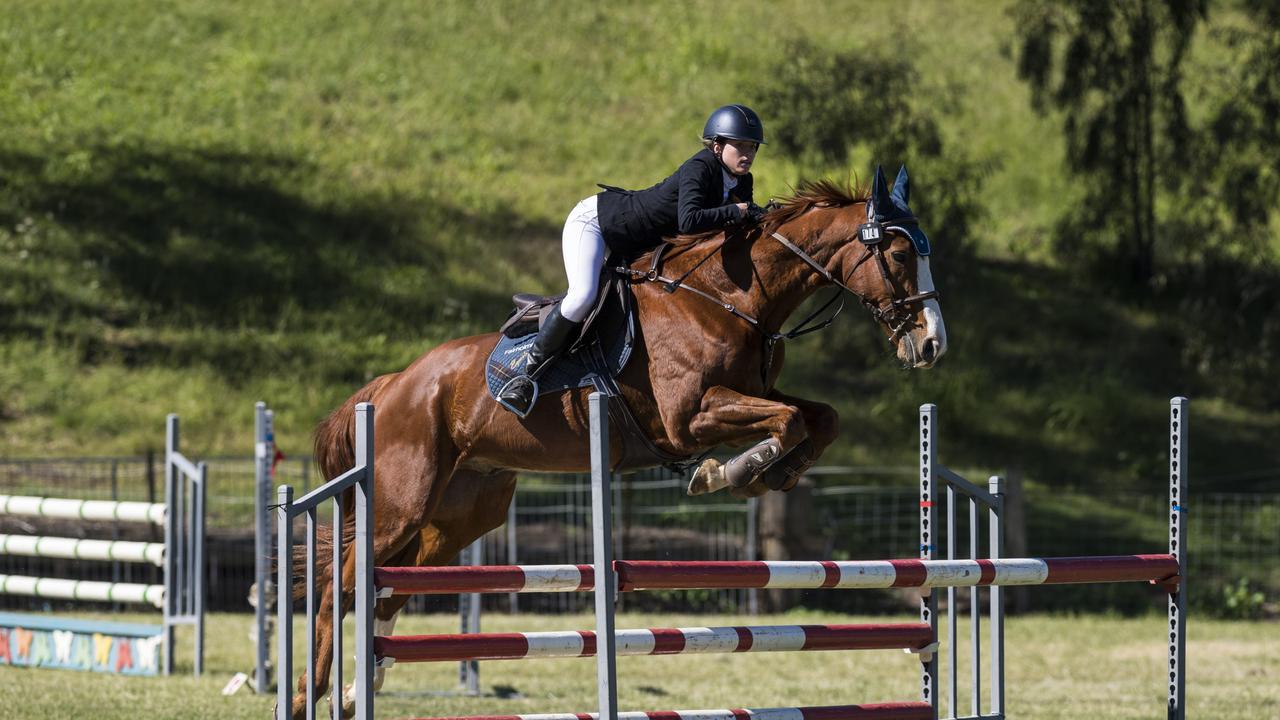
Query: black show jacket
x,y
687,202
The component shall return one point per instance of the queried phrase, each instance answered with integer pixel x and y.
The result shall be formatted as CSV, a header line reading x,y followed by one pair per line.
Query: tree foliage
x,y
1201,188
824,106
1115,72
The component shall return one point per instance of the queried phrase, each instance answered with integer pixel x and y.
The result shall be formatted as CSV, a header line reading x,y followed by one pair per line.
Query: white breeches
x,y
584,254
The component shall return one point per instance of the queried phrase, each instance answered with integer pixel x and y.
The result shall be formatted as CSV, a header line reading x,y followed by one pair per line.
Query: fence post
x,y
364,563
264,456
1178,468
995,543
928,547
469,620
1015,534
602,536
284,605
172,561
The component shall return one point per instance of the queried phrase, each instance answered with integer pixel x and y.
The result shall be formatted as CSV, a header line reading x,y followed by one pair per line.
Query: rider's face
x,y
737,155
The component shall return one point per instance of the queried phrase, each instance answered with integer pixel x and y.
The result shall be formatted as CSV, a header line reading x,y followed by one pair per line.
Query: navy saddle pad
x,y
594,361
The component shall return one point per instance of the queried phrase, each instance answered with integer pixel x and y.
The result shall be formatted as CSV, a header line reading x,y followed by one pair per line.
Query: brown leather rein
x,y
895,316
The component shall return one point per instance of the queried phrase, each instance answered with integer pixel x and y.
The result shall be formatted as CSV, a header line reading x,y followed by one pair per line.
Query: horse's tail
x,y
335,441
335,453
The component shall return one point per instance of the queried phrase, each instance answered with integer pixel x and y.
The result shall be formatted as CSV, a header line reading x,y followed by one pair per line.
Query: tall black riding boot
x,y
521,391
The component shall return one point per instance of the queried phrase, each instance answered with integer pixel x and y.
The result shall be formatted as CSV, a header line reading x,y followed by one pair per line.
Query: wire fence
x,y
847,513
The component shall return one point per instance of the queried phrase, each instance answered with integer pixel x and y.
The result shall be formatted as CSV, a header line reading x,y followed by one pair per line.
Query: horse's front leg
x,y
730,418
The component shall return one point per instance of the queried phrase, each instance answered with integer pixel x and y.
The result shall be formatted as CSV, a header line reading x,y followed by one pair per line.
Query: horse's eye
x,y
900,257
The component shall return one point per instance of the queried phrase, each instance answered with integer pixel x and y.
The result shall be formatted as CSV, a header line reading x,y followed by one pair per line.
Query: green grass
x,y
1058,668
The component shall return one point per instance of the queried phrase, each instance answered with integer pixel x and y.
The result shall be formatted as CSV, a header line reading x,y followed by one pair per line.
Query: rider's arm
x,y
697,210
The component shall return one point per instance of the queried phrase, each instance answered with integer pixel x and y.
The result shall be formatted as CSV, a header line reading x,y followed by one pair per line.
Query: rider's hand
x,y
742,209
755,214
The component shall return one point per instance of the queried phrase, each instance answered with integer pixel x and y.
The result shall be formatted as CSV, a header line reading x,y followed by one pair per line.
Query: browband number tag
x,y
870,233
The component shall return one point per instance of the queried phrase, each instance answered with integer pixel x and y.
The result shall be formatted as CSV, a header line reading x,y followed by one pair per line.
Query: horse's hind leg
x,y
384,619
473,504
399,517
385,612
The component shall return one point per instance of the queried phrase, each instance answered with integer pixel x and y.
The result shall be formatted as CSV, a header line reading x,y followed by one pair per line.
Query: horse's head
x,y
876,250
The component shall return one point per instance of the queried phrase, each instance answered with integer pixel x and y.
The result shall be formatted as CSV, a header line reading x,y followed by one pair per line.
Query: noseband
x,y
895,315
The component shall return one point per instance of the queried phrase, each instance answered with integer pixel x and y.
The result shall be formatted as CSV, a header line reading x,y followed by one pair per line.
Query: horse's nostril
x,y
930,351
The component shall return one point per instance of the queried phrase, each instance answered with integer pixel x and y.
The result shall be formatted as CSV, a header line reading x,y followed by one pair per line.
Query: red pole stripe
x,y
712,575
988,572
833,574
745,639
1120,568
911,573
435,648
874,636
667,641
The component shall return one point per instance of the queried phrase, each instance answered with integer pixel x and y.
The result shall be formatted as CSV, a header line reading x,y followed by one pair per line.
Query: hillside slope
x,y
206,205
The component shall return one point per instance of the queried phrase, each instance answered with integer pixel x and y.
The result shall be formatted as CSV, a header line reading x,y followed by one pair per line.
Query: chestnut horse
x,y
448,454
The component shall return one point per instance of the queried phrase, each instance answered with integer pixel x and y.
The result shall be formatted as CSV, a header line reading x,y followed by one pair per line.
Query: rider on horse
x,y
710,191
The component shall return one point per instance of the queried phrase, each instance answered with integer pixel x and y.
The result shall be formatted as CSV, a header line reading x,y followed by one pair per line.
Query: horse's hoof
x,y
708,478
349,701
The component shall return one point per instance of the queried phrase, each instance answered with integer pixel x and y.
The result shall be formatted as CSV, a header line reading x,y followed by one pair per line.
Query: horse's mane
x,y
814,193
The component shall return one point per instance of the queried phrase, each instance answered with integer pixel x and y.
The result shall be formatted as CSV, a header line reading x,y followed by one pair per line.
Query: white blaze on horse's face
x,y
934,341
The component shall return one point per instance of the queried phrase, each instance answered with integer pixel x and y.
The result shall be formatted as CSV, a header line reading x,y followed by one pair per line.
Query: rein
x,y
895,317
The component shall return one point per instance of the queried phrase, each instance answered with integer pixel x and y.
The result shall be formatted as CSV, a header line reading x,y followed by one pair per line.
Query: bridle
x,y
872,234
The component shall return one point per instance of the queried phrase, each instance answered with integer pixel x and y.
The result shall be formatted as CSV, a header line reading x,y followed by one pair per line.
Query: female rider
x,y
711,190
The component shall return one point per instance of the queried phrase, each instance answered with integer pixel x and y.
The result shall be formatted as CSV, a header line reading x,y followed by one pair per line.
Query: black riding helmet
x,y
735,122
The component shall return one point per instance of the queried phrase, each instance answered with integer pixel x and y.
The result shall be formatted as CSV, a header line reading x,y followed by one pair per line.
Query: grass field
x,y
1057,668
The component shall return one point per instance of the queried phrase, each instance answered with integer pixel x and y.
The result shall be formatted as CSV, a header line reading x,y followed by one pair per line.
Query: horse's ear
x,y
902,188
880,192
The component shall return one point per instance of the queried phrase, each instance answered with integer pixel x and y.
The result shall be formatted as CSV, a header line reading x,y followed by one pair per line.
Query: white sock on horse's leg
x,y
381,628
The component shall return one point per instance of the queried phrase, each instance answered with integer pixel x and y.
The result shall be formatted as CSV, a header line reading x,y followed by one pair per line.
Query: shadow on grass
x,y
231,240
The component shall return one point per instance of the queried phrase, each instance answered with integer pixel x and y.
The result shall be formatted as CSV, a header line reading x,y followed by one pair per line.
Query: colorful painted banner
x,y
126,649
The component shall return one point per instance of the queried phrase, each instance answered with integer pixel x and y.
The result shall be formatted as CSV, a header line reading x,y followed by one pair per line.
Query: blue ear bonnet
x,y
889,208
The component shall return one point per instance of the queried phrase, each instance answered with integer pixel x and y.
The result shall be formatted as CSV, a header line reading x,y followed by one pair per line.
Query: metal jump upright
x,y
608,576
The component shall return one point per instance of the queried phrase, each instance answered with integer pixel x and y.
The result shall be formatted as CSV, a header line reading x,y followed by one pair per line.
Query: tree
x,y
1113,68
822,105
